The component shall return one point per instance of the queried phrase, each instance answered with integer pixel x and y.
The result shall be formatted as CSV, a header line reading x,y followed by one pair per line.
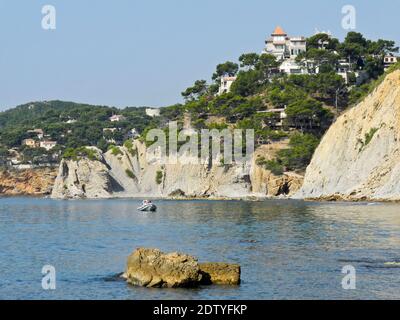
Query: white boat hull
x,y
148,207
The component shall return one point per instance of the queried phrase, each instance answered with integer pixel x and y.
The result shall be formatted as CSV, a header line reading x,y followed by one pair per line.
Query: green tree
x,y
353,48
226,69
249,60
266,65
300,152
103,145
322,41
308,114
325,60
196,91
382,47
247,83
374,67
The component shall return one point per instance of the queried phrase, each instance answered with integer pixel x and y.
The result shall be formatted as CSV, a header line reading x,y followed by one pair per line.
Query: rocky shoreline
x,y
31,182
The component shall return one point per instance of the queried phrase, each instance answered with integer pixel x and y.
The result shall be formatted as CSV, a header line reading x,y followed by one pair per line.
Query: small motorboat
x,y
148,206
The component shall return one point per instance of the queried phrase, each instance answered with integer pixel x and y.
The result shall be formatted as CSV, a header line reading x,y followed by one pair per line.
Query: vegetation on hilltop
x,y
72,125
311,101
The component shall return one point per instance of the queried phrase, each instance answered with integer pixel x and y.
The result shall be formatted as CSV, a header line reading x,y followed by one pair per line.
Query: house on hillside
x,y
226,83
31,143
283,46
286,49
117,118
292,67
47,144
344,70
276,117
153,112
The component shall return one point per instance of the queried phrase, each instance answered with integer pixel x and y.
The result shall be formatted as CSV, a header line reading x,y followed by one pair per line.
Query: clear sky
x,y
133,53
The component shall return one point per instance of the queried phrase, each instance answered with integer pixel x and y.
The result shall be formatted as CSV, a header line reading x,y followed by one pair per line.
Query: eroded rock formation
x,y
131,172
152,268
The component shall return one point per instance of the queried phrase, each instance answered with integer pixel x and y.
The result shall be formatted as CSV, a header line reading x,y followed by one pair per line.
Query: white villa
x,y
226,83
291,67
117,118
287,48
47,144
284,47
153,112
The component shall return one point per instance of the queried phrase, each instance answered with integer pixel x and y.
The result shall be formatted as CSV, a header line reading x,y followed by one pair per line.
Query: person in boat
x,y
147,205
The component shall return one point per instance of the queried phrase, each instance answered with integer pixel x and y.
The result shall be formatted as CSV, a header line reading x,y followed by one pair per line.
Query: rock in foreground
x,y
152,268
220,273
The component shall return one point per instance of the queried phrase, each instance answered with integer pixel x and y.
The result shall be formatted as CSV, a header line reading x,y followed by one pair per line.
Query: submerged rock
x,y
152,268
220,273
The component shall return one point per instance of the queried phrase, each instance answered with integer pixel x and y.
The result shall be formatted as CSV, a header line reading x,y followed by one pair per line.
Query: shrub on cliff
x,y
272,165
79,153
128,144
298,156
115,151
130,174
159,177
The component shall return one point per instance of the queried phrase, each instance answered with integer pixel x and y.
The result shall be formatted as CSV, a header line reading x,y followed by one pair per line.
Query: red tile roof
x,y
279,32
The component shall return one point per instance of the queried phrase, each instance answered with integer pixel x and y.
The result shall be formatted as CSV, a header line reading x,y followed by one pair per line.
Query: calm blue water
x,y
287,249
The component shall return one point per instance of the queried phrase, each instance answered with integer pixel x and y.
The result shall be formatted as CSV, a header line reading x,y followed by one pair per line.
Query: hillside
x,y
288,111
70,125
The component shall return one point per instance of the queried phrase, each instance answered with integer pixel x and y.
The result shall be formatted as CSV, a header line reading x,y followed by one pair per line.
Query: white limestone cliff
x,y
132,173
359,156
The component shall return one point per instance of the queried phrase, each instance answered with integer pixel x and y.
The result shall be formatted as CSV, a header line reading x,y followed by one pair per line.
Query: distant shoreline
x,y
216,199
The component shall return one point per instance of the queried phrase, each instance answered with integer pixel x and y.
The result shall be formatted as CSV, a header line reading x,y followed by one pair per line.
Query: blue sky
x,y
133,53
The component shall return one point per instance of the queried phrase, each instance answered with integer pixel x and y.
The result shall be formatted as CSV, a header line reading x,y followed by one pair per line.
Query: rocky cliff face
x,y
264,182
129,173
34,182
358,158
